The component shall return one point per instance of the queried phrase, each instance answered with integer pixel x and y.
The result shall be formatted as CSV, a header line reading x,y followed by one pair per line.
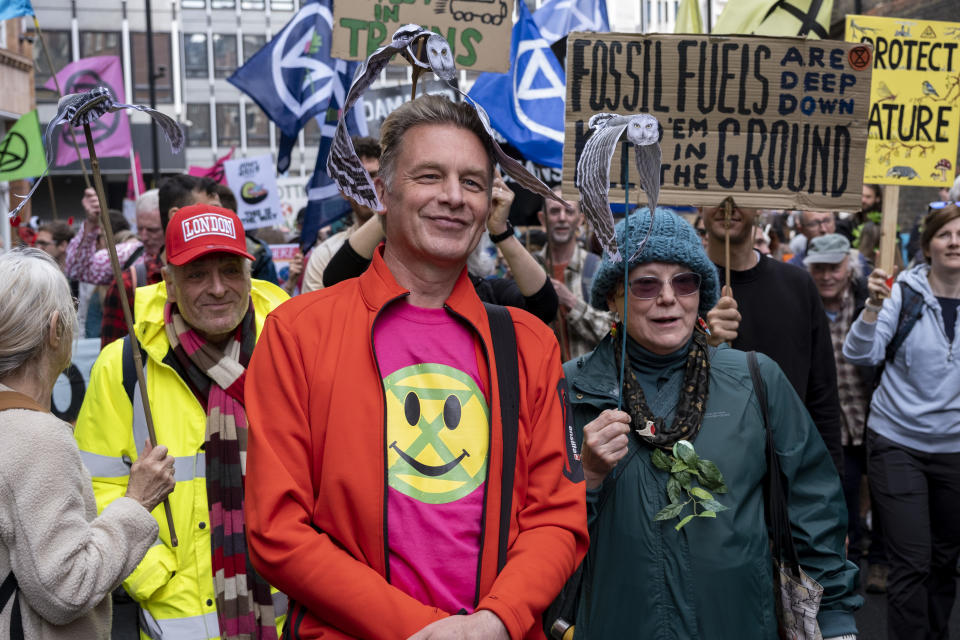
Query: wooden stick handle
x,y
125,305
887,259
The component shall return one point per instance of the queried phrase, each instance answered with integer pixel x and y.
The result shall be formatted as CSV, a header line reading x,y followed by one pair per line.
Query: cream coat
x,y
66,559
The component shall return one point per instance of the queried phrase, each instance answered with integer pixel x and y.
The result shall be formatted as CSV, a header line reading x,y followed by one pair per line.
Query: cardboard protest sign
x,y
254,183
773,122
478,31
282,255
914,121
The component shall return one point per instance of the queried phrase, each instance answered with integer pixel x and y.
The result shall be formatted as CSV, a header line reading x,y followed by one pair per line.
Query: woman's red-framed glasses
x,y
648,287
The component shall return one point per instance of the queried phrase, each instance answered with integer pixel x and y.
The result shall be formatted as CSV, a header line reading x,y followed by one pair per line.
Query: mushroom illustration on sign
x,y
943,166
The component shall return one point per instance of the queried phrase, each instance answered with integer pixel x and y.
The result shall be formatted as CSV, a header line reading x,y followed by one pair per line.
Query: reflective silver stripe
x,y
279,604
199,627
140,432
189,467
104,466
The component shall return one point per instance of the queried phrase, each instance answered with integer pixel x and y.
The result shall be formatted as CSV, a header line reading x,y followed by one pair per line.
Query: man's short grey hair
x,y
148,201
32,288
429,110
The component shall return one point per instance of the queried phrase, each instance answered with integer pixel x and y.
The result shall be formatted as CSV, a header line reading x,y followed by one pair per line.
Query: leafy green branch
x,y
685,466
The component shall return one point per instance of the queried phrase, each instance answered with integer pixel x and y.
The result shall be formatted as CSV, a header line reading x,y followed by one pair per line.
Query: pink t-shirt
x,y
438,438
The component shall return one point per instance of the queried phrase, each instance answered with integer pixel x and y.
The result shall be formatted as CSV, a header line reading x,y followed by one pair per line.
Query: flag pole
x,y
56,82
125,305
53,200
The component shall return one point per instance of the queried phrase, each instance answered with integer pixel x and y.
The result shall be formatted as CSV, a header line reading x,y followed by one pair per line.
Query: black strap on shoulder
x,y
133,257
911,308
7,589
778,518
129,368
508,377
141,272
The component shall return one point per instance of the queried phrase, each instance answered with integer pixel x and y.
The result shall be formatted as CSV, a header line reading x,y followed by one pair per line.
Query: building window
x,y
195,55
223,4
258,128
162,66
99,43
252,5
198,131
58,42
251,44
282,5
224,55
228,125
193,4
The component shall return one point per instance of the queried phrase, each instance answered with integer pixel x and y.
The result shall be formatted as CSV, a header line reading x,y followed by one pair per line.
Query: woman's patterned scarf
x,y
244,605
690,405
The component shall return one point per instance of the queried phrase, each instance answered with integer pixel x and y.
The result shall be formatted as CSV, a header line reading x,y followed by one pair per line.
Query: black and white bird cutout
x,y
343,164
77,109
593,171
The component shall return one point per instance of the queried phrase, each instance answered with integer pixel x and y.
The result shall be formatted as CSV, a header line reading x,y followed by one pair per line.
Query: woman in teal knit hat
x,y
703,569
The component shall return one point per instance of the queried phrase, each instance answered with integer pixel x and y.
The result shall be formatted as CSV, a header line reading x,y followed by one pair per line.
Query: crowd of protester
x,y
362,480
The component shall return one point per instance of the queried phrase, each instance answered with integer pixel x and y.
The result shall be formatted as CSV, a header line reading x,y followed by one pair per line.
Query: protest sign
x,y
282,255
914,121
478,31
775,123
293,197
254,183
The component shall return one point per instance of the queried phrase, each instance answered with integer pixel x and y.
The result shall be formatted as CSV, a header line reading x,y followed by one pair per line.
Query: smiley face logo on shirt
x,y
437,433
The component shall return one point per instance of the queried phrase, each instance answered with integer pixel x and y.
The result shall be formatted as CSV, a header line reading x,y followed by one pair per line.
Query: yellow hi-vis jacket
x,y
173,585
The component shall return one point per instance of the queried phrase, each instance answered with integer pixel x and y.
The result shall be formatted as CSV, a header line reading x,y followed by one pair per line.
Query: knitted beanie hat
x,y
672,240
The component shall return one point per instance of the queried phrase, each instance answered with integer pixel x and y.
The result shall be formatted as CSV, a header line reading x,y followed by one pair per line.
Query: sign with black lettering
x,y
914,122
478,31
776,123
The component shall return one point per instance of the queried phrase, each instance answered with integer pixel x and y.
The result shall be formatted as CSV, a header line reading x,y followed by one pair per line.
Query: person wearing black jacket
x,y
530,290
775,309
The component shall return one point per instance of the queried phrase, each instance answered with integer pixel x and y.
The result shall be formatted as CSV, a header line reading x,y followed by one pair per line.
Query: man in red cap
x,y
196,331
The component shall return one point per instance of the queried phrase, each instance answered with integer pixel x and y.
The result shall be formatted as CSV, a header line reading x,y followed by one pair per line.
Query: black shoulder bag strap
x,y
778,519
508,378
7,589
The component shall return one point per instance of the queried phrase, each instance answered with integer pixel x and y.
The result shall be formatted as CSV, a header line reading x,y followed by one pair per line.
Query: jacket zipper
x,y
486,482
386,475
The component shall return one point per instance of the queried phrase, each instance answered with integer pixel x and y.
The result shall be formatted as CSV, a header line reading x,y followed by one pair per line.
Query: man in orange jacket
x,y
376,496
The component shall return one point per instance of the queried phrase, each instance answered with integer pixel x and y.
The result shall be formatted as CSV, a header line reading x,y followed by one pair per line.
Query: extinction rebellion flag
x,y
21,151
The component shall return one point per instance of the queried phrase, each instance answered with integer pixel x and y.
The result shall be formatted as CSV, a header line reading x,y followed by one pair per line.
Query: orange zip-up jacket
x,y
316,508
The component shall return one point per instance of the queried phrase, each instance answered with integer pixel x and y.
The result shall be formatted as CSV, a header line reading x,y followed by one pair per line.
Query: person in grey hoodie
x,y
913,430
59,561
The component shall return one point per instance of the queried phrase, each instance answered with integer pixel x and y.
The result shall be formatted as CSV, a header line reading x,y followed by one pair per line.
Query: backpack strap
x,y
508,378
133,257
17,400
911,309
7,589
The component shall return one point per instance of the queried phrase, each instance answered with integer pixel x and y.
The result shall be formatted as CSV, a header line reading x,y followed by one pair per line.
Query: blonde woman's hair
x,y
32,288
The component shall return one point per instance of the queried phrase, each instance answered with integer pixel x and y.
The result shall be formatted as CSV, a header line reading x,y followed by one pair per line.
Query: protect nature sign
x,y
773,122
914,121
478,31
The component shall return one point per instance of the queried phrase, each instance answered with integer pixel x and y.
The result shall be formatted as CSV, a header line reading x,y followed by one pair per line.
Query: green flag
x,y
21,152
688,17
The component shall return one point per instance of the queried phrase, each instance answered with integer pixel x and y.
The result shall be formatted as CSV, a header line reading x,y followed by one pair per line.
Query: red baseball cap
x,y
200,229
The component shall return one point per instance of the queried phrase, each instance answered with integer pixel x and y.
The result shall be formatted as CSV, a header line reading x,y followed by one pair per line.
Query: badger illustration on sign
x,y
902,172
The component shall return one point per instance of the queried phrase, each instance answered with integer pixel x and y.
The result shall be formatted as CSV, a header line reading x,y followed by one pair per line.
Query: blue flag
x,y
557,18
293,77
324,202
14,9
526,104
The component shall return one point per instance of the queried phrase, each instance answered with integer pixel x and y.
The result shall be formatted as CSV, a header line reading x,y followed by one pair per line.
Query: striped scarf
x,y
244,605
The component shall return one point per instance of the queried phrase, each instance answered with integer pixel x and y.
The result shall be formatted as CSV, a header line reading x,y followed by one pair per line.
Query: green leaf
x,y
697,492
721,489
710,474
680,524
670,511
661,460
679,466
713,505
683,478
707,514
674,490
684,450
